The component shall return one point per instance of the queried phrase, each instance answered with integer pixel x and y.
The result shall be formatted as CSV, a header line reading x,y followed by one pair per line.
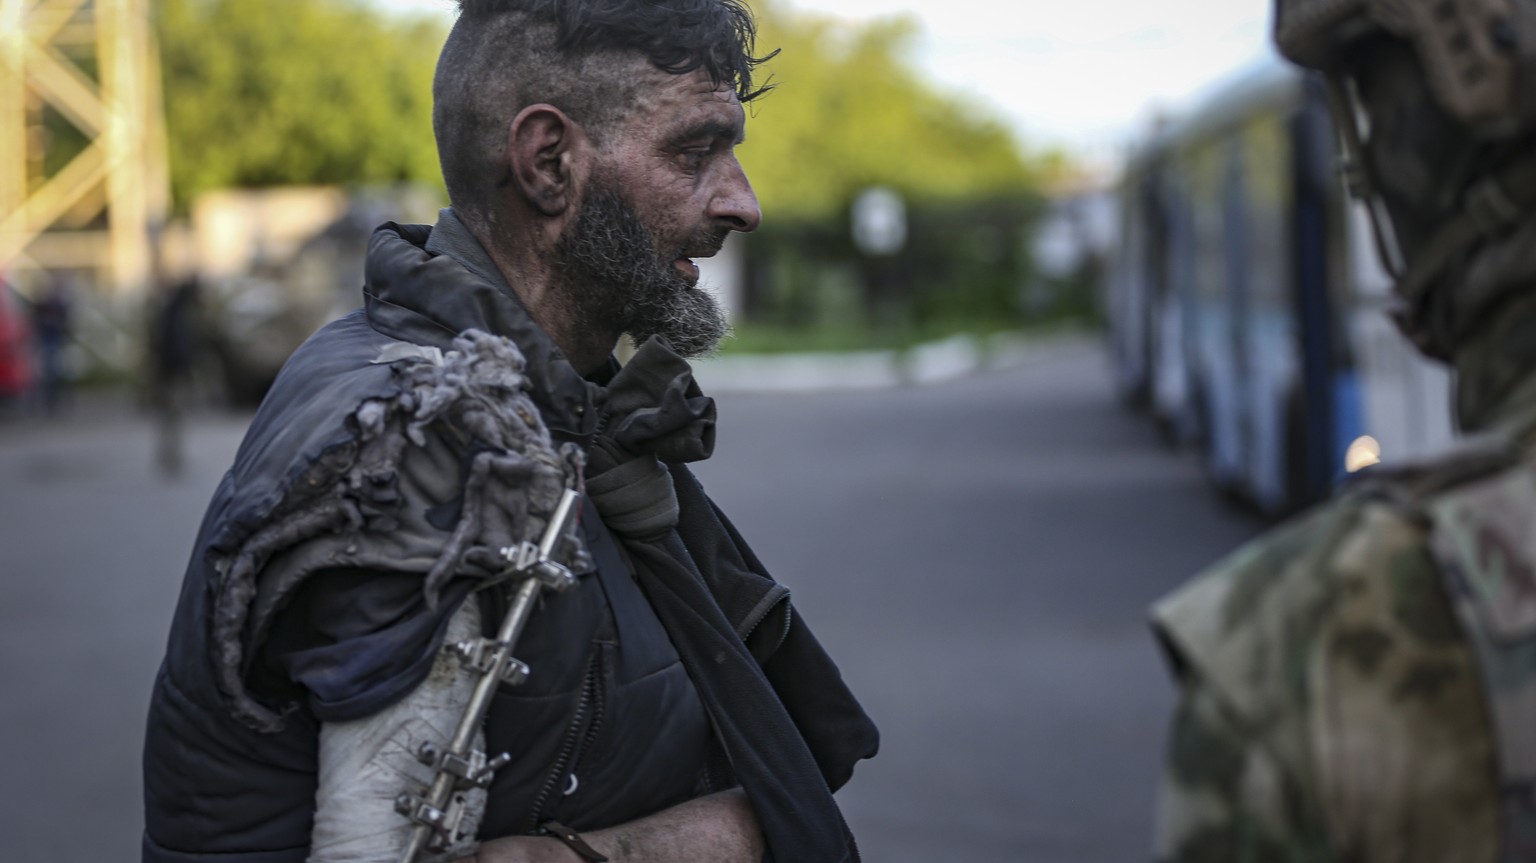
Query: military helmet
x,y
1473,52
1435,105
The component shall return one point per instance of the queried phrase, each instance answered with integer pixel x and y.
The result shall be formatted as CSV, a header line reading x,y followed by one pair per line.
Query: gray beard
x,y
614,275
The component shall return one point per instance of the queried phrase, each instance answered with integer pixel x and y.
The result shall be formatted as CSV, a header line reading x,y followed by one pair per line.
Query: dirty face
x,y
665,189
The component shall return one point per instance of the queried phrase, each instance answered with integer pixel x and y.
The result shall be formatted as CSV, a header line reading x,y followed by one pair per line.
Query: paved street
x,y
978,555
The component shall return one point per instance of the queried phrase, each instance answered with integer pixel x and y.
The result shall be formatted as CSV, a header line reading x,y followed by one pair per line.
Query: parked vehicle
x,y
1246,303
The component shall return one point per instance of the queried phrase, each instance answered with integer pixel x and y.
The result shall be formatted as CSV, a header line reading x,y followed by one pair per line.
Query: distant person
x,y
52,328
678,708
16,360
1360,685
174,345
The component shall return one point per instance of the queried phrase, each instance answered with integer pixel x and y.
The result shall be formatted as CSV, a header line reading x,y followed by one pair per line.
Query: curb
x,y
925,364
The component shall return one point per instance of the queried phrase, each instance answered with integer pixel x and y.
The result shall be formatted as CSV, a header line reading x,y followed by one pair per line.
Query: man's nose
x,y
735,204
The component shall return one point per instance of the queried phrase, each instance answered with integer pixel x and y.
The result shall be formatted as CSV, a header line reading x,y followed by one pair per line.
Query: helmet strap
x,y
1488,207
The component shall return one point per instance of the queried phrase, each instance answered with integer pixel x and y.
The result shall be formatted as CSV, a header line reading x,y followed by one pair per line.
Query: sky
x,y
1082,73
1087,75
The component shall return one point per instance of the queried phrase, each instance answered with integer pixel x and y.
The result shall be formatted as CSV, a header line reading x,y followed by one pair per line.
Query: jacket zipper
x,y
599,710
579,730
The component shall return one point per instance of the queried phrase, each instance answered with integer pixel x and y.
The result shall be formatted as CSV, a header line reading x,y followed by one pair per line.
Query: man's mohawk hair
x,y
677,36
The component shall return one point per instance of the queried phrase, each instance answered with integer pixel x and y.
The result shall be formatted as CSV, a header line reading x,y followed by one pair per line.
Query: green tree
x,y
273,92
851,110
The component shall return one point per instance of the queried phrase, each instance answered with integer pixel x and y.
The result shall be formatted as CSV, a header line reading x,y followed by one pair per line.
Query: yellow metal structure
x,y
94,64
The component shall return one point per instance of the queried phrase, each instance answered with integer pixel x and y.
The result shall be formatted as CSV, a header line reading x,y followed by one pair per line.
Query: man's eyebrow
x,y
710,129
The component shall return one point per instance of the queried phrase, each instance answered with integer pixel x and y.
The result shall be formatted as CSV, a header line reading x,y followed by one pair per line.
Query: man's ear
x,y
541,146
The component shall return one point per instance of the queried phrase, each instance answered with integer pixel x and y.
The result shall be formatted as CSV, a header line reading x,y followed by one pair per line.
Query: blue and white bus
x,y
1247,303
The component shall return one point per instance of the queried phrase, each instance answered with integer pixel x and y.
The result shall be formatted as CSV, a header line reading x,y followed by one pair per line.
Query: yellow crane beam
x,y
119,178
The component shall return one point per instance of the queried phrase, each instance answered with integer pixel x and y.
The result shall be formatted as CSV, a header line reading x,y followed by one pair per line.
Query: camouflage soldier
x,y
1361,684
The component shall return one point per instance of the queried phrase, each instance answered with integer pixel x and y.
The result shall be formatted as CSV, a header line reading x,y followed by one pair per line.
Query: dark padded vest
x,y
608,702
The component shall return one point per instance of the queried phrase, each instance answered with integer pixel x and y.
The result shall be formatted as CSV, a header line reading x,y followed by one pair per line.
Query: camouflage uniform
x,y
1346,680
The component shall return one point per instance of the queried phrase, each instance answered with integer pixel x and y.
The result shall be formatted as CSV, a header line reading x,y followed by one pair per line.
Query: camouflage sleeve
x,y
1236,786
1223,797
1330,710
1399,732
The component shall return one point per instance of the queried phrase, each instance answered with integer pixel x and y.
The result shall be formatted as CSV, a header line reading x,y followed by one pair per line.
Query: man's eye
x,y
694,157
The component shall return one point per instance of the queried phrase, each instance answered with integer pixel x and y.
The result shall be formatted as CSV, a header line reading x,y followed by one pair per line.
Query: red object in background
x,y
15,345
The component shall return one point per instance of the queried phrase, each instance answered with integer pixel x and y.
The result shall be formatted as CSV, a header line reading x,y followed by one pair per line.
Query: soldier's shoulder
x,y
1482,539
1243,622
1250,593
1413,483
1243,625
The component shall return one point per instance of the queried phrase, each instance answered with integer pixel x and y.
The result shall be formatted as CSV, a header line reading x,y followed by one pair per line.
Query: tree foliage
x,y
851,110
275,92
278,92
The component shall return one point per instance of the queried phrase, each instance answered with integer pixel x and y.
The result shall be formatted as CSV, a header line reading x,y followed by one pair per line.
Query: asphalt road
x,y
978,555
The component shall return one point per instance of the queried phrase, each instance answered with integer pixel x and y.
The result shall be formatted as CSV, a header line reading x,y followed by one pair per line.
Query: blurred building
x,y
279,263
1070,245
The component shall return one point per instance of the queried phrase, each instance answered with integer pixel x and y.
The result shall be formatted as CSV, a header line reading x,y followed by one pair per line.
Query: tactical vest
x,y
1480,506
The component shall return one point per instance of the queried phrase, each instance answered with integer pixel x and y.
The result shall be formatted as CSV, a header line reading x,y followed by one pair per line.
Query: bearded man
x,y
674,707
